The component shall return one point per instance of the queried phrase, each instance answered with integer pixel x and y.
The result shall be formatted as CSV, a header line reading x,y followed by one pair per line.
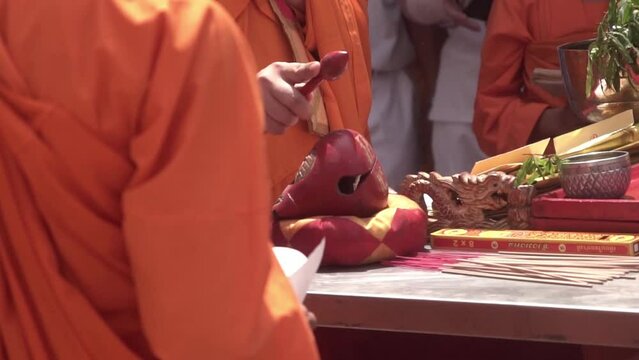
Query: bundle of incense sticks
x,y
560,269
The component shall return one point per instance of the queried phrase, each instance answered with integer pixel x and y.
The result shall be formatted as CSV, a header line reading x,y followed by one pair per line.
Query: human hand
x,y
456,16
284,105
554,122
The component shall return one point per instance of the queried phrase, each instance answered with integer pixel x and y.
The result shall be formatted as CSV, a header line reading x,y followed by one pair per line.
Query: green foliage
x,y
536,168
614,52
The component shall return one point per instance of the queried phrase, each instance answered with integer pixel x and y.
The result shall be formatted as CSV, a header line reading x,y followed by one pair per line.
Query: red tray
x,y
553,211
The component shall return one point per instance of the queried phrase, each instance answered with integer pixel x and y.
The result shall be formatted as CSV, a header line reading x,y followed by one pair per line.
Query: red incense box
x,y
536,241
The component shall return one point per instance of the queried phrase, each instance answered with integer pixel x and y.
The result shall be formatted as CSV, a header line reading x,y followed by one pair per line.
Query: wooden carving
x,y
489,201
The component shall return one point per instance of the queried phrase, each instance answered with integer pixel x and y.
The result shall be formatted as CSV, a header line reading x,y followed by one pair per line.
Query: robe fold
x,y
330,25
523,35
134,213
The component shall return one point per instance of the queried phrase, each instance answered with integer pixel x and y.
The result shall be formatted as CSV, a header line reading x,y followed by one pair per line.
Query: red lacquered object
x,y
340,177
553,211
332,66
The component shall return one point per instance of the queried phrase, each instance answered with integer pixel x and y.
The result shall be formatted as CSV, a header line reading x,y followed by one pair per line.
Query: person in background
x,y
454,145
393,118
302,31
522,37
134,210
394,115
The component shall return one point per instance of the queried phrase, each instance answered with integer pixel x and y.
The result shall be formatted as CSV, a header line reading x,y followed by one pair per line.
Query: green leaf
x,y
536,167
615,50
625,11
612,12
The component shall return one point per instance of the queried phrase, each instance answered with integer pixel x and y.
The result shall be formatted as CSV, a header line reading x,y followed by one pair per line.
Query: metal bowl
x,y
602,102
597,175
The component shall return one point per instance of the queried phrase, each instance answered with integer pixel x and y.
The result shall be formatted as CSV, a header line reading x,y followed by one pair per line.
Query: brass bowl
x,y
597,175
602,102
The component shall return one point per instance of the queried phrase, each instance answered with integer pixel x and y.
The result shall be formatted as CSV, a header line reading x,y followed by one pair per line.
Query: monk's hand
x,y
555,121
283,103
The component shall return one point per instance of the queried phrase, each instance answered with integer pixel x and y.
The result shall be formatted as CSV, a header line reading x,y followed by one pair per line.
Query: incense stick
x,y
577,280
513,277
521,269
560,269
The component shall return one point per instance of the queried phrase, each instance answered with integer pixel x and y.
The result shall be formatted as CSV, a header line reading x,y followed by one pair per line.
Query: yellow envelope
x,y
564,144
515,156
592,134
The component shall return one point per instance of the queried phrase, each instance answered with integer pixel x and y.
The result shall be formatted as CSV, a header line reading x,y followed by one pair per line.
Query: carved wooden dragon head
x,y
471,201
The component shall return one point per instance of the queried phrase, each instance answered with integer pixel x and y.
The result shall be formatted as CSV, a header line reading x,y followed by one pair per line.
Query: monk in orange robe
x,y
134,215
523,35
318,27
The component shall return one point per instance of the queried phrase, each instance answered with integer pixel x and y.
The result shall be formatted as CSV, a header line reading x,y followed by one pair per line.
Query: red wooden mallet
x,y
332,66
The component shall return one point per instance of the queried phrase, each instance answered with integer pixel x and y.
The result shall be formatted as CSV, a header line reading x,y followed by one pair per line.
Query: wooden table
x,y
429,302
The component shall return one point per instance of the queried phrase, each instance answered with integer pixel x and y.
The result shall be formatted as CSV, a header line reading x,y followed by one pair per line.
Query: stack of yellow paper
x,y
616,133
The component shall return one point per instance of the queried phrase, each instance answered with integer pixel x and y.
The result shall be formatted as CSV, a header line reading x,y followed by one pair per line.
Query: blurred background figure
x,y
405,48
392,121
513,107
454,145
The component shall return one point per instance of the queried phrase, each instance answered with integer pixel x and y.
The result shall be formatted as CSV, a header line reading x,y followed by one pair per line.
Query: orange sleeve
x,y
503,119
343,25
196,213
361,15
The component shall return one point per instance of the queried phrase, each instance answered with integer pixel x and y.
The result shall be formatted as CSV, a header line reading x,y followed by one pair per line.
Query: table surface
x,y
406,300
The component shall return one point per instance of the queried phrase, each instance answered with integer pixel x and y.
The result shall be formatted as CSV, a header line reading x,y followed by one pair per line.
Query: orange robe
x,y
330,25
523,35
131,221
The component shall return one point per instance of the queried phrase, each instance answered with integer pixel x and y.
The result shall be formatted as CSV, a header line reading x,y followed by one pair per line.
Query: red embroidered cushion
x,y
397,230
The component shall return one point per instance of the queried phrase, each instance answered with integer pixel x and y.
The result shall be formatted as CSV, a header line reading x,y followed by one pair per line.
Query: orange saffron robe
x,y
330,25
131,222
523,35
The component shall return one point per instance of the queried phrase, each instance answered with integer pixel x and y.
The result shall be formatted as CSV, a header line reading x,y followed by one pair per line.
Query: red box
x,y
559,242
553,211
